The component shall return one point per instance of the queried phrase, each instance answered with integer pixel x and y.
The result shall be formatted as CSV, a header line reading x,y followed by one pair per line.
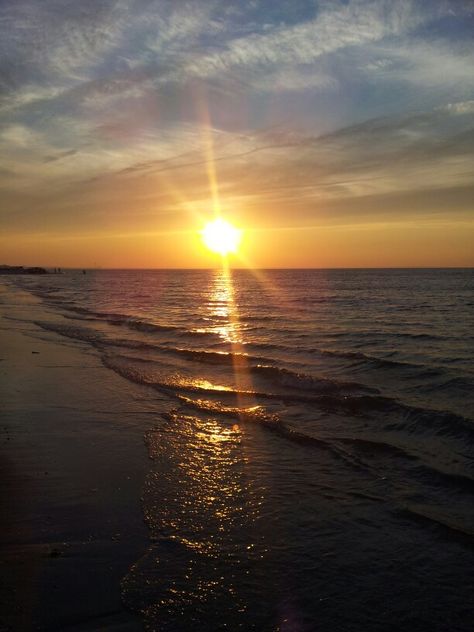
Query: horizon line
x,y
106,268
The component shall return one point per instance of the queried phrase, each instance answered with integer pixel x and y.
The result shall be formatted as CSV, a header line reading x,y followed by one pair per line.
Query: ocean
x,y
310,457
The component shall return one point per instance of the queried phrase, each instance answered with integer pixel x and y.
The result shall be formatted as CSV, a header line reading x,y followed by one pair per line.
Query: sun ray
x,y
278,295
208,145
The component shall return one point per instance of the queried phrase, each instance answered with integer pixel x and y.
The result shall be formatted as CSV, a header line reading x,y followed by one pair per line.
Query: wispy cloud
x,y
462,107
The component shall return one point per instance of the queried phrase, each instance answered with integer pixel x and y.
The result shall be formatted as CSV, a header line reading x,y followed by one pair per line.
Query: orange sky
x,y
401,244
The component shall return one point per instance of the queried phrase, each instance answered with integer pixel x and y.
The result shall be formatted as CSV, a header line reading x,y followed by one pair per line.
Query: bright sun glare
x,y
221,237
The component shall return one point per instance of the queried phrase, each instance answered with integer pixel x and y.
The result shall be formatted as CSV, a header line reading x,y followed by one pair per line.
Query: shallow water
x,y
313,470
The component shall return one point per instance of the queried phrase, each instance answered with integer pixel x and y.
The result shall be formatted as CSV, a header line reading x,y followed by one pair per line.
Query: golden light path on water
x,y
225,308
206,498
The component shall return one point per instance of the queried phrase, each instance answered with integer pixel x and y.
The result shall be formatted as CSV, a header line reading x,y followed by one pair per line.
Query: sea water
x,y
311,453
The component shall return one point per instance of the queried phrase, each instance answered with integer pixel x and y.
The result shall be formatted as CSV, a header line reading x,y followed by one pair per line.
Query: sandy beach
x,y
72,461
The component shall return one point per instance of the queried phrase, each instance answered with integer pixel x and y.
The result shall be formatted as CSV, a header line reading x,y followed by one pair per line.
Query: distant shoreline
x,y
104,269
7,270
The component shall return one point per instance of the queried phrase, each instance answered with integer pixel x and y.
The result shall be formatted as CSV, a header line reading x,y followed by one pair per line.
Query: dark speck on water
x,y
311,463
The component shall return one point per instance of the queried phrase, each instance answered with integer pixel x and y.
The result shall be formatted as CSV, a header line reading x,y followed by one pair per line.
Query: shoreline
x,y
73,465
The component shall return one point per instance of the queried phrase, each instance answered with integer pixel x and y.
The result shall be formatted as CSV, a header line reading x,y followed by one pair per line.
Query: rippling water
x,y
312,469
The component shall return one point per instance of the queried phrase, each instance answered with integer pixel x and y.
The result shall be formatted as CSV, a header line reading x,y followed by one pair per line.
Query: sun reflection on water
x,y
202,504
222,311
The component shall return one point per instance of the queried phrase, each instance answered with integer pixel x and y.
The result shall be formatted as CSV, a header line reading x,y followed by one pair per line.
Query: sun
x,y
221,237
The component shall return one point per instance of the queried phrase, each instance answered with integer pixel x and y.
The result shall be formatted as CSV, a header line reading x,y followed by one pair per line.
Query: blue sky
x,y
313,113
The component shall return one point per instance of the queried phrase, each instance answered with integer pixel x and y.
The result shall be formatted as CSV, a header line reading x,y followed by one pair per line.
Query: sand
x,y
72,463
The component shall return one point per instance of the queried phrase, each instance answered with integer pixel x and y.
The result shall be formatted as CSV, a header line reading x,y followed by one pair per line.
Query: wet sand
x,y
72,464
